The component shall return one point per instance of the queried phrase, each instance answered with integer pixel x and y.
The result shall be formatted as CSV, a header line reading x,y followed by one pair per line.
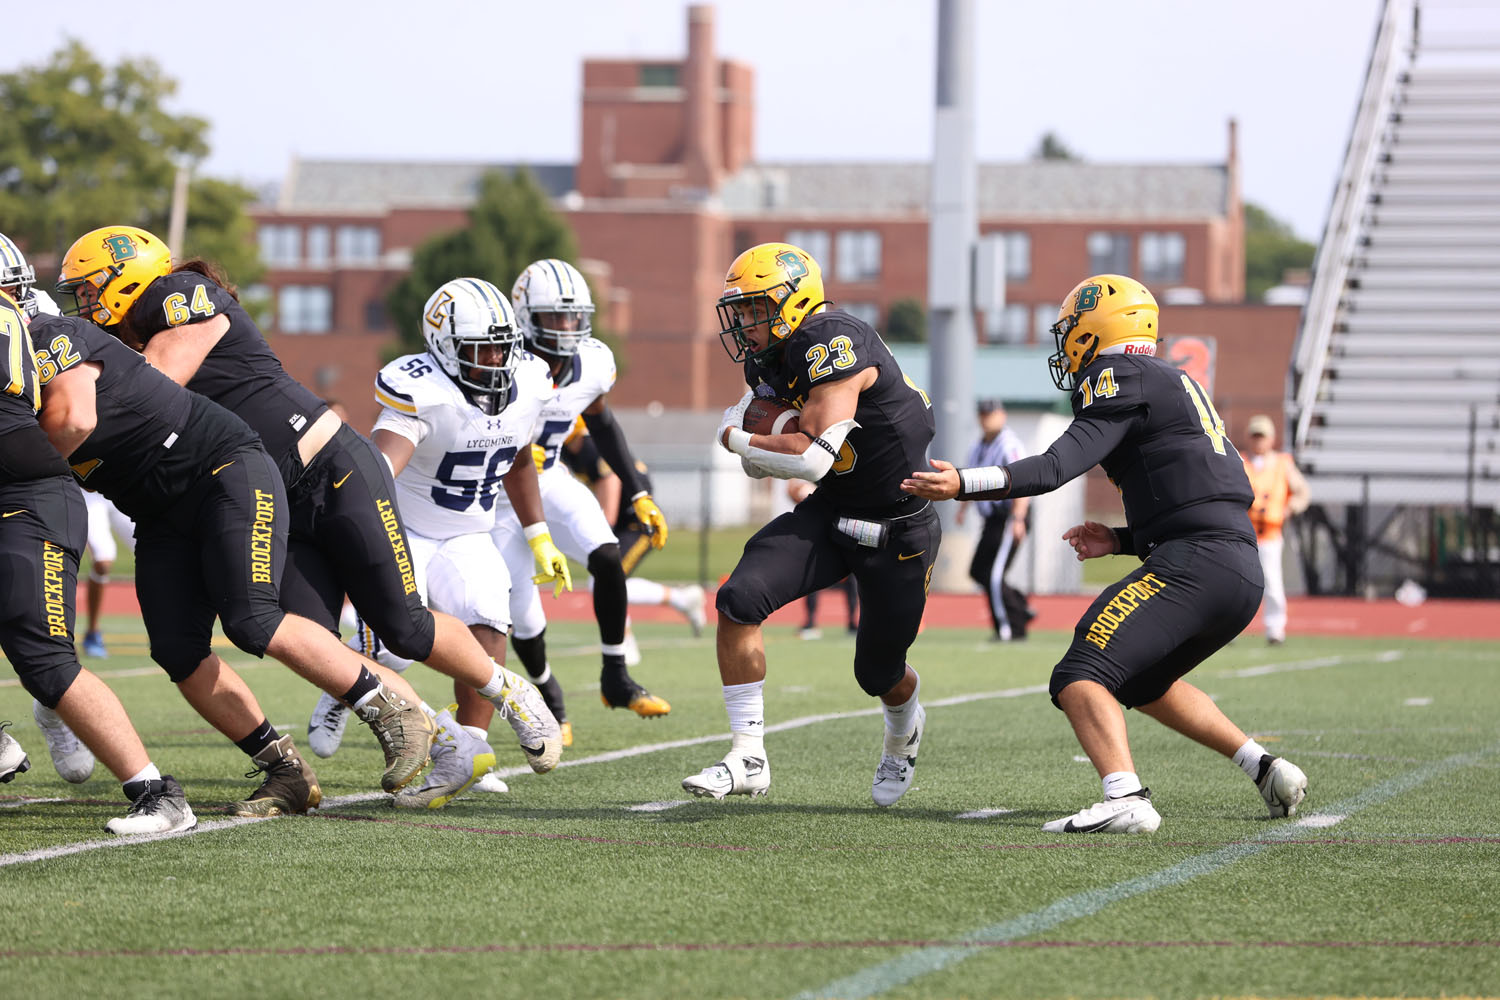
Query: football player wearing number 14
x,y
1156,433
861,421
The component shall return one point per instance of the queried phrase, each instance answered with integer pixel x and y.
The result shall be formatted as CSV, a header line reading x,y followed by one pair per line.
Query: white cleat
x,y
689,601
632,649
522,705
459,759
898,762
13,759
1282,784
325,730
736,774
73,760
492,783
1131,813
162,808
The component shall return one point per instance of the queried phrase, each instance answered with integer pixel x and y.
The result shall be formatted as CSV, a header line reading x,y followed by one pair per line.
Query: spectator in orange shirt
x,y
1280,491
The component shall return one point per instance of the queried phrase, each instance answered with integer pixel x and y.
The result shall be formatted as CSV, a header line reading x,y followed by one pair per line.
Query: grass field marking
x,y
656,807
63,850
1417,702
27,802
1383,656
238,665
877,979
984,813
1321,820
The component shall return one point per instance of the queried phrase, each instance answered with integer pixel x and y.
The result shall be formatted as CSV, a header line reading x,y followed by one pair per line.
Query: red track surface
x,y
1331,616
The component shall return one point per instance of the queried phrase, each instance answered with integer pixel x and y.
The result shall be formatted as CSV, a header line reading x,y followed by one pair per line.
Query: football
x,y
770,416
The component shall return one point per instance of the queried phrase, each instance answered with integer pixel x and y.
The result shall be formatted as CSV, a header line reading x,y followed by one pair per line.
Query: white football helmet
x,y
554,307
16,275
470,328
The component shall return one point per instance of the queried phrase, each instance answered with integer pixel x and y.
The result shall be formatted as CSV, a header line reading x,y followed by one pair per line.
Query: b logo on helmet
x,y
793,264
120,247
1088,298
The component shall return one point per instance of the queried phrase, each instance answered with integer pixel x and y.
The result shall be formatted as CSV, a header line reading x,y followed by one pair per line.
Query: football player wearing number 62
x,y
1156,433
862,424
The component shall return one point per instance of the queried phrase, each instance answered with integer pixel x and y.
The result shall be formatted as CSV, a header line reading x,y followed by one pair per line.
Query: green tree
x,y
510,225
906,322
1271,249
1051,147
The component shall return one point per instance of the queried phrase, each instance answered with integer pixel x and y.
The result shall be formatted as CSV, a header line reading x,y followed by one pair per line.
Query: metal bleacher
x,y
1394,388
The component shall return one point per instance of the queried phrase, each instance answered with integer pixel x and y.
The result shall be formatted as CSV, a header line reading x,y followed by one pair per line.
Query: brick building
x,y
666,191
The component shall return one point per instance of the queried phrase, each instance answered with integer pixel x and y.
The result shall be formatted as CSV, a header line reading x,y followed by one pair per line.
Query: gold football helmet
x,y
775,286
107,270
1105,314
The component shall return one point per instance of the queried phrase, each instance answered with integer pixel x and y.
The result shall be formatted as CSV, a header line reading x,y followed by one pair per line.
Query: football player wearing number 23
x,y
1157,434
860,421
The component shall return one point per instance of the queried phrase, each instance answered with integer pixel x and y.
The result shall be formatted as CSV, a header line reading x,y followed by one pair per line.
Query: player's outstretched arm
x,y
1091,540
940,485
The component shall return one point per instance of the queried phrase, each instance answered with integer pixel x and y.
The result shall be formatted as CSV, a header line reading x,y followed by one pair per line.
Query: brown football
x,y
770,416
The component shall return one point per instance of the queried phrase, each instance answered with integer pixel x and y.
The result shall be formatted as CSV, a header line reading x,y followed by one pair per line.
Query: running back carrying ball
x,y
770,416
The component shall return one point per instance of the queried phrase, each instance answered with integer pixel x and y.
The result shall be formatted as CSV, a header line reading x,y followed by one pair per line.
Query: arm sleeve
x,y
610,440
1126,539
1086,443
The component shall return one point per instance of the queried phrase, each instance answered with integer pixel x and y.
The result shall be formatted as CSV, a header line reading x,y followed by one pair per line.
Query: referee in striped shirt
x,y
1004,525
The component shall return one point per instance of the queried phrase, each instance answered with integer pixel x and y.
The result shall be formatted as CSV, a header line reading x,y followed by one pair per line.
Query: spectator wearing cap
x,y
1004,525
1280,491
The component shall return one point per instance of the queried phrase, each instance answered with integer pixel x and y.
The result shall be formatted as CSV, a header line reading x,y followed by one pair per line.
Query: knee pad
x,y
412,638
180,657
533,652
737,600
878,673
605,561
250,632
48,682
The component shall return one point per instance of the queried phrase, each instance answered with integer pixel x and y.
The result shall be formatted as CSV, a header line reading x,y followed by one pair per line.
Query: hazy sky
x,y
1118,80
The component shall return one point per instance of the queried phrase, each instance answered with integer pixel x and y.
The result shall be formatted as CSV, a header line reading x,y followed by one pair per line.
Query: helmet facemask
x,y
470,329
487,367
558,330
87,293
1084,345
740,314
17,276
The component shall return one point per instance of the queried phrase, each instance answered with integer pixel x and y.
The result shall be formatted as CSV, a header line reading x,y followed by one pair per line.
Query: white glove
x,y
733,417
44,304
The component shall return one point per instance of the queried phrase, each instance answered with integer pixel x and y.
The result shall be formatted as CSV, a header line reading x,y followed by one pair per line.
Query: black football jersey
x,y
25,452
894,416
241,373
1156,433
154,439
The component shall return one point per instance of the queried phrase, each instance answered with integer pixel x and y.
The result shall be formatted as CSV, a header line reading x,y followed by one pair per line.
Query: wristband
x,y
982,480
642,493
534,531
738,440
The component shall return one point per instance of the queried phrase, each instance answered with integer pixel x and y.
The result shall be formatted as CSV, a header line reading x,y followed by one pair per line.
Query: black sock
x,y
610,598
260,737
613,673
553,696
533,653
367,682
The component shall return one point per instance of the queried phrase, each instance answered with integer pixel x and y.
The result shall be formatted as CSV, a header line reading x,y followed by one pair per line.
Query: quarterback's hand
x,y
650,515
733,418
553,565
939,485
1091,540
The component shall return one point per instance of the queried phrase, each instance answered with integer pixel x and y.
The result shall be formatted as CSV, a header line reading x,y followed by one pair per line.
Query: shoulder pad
x,y
413,383
1112,384
599,363
533,378
177,299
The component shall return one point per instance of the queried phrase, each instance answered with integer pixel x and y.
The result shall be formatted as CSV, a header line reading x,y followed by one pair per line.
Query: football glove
x,y
553,565
733,418
650,515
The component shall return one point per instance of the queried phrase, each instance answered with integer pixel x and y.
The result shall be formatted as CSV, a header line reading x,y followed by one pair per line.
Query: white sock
x,y
900,718
1120,783
368,696
747,716
147,773
495,686
612,649
644,591
1248,758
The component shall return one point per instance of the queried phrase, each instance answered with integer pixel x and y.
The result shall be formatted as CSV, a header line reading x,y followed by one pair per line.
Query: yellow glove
x,y
552,563
651,516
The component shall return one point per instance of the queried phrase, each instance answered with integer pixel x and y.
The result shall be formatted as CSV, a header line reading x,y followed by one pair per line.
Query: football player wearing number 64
x,y
1156,433
861,425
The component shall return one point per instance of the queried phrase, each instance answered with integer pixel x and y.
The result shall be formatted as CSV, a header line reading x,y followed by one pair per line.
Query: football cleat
x,y
161,808
405,734
93,645
898,761
809,632
73,760
491,783
628,694
522,705
565,728
736,774
458,760
689,601
13,759
1131,813
290,785
325,729
1282,784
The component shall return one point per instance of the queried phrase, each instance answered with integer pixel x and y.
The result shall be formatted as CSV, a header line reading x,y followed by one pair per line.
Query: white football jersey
x,y
453,481
589,375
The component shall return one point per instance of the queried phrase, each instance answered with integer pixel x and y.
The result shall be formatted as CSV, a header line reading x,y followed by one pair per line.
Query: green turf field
x,y
604,880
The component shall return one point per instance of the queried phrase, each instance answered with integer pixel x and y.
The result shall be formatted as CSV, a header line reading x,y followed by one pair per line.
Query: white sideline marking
x,y
1079,758
63,850
983,813
154,671
27,802
1319,820
1417,702
656,807
1384,656
876,979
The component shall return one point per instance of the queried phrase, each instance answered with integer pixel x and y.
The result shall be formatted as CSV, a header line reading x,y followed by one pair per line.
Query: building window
x,y
319,245
869,312
659,75
1045,316
814,241
1161,257
1008,325
1109,253
858,255
1017,256
278,245
358,245
304,309
375,316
